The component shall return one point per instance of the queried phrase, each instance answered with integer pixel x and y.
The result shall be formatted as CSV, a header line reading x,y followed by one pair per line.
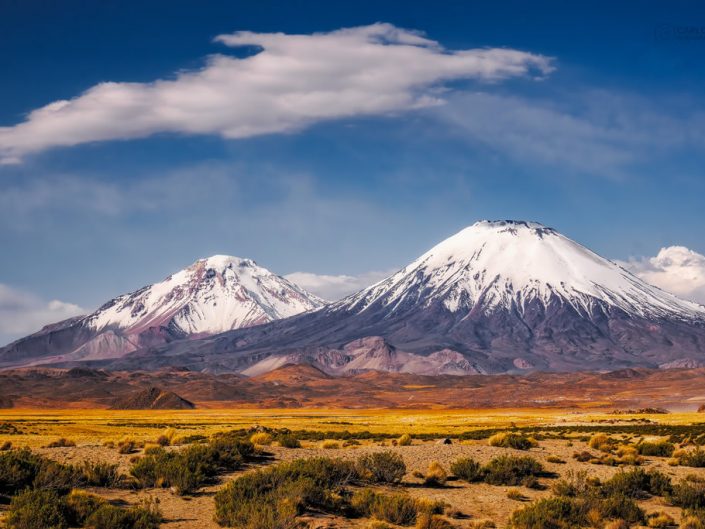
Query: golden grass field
x,y
96,433
89,426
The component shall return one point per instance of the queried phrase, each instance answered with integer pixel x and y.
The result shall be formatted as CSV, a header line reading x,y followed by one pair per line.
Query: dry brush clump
x,y
512,440
580,501
188,469
502,470
381,467
49,509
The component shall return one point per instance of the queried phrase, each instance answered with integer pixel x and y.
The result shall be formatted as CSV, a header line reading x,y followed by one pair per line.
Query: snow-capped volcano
x,y
509,265
498,296
213,295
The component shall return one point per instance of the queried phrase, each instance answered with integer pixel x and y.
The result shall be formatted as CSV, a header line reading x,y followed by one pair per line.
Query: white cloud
x,y
335,287
22,312
675,269
293,81
592,132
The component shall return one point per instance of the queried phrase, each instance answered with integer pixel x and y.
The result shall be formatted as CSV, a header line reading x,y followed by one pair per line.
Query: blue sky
x,y
588,117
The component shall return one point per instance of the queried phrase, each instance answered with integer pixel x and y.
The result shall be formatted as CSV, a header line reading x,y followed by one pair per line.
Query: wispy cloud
x,y
675,269
588,132
335,287
22,312
291,82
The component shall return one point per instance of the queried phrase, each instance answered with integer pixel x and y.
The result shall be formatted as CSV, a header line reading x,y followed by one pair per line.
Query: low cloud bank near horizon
x,y
335,287
675,269
289,83
22,313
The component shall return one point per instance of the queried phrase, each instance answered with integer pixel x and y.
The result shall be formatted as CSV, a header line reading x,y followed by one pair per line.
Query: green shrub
x,y
655,448
512,440
399,509
690,458
80,505
284,490
689,493
55,476
621,507
187,469
575,484
550,513
638,484
288,441
18,468
110,517
512,470
99,474
37,509
467,469
61,443
381,467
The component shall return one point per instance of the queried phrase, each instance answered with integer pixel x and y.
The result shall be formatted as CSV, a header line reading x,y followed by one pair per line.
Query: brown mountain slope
x,y
304,386
152,399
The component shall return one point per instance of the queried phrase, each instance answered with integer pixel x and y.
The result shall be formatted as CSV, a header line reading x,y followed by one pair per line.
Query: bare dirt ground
x,y
478,501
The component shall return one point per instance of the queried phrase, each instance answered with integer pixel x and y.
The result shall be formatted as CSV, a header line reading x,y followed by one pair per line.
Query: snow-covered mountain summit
x,y
212,295
506,264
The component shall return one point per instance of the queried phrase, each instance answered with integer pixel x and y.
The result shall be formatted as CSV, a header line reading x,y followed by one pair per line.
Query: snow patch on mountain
x,y
494,265
213,295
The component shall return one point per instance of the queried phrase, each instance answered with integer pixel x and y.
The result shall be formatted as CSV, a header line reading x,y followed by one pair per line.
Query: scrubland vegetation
x,y
587,475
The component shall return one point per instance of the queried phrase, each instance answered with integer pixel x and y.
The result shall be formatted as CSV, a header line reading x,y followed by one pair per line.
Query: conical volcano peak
x,y
222,262
517,265
509,223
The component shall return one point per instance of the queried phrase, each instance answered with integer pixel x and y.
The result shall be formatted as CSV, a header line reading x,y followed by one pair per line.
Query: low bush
x,y
288,441
689,493
512,470
512,440
262,439
99,474
80,505
274,496
187,469
37,509
602,442
655,448
661,520
330,444
435,476
399,509
7,445
381,467
111,517
127,446
404,440
690,458
432,521
638,484
690,521
550,513
467,469
61,443
555,459
516,495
